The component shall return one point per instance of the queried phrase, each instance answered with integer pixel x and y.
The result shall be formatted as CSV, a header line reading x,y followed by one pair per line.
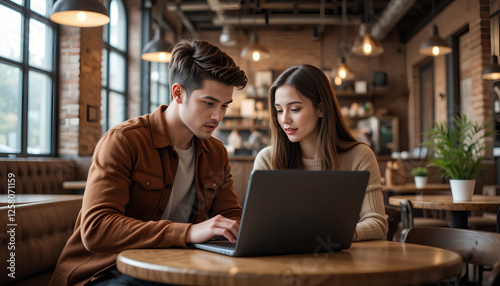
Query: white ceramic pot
x,y
462,190
420,181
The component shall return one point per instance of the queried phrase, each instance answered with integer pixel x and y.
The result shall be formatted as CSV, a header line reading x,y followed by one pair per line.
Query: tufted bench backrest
x,y
37,175
40,233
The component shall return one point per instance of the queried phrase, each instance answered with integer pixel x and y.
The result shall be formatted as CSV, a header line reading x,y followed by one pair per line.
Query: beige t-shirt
x,y
372,223
183,193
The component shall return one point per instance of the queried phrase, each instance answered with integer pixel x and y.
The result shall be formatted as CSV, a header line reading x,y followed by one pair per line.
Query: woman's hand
x,y
218,225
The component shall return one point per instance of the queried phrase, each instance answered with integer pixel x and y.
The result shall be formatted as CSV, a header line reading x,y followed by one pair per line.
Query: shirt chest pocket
x,y
145,190
211,187
147,181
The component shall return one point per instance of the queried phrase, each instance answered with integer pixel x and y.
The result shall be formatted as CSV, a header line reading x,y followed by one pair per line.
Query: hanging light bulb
x,y
255,51
78,13
157,50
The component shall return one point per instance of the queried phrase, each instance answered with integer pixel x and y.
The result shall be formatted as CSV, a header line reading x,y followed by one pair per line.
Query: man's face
x,y
206,107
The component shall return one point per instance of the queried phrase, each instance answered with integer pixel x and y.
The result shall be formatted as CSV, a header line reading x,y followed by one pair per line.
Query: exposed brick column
x,y
69,90
80,90
90,90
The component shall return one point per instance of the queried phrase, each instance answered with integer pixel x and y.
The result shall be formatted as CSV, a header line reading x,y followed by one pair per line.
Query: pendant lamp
x,y
367,45
255,51
157,50
78,13
492,71
344,72
228,36
434,45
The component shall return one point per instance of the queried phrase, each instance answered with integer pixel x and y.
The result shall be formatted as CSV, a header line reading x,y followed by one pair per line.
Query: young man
x,y
155,179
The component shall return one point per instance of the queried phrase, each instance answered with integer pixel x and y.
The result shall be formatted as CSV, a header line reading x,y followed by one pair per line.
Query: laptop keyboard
x,y
223,244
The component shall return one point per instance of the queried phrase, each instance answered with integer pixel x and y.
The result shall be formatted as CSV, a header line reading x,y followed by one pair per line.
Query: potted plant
x,y
459,151
420,175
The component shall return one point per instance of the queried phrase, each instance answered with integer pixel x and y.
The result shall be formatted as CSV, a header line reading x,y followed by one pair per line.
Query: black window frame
x,y
25,68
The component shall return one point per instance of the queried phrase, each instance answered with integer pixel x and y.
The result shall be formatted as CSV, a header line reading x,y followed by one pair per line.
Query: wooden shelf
x,y
243,127
343,93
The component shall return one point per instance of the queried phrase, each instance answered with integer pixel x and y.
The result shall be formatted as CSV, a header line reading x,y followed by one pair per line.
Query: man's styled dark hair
x,y
197,60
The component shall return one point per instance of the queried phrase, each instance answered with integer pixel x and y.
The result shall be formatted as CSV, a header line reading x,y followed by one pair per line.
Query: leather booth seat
x,y
40,232
43,175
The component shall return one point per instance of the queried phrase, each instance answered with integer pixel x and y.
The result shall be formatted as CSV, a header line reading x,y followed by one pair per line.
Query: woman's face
x,y
296,115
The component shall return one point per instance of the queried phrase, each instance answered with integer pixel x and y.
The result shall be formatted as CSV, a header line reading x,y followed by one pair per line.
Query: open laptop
x,y
296,211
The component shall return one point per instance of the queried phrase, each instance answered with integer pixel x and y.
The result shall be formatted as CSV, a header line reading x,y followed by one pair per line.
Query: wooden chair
x,y
487,221
408,220
475,247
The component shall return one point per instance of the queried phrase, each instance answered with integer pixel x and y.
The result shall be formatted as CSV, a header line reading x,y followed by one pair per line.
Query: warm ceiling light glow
x,y
81,16
367,49
342,73
163,56
256,56
338,80
435,51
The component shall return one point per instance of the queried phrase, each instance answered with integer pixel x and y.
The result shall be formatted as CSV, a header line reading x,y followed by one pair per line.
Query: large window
x,y
114,67
159,90
27,78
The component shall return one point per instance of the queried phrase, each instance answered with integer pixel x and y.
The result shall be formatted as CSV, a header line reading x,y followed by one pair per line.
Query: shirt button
x,y
214,185
169,186
148,183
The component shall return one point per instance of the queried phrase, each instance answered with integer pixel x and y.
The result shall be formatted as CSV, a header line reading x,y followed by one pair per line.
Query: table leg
x,y
459,219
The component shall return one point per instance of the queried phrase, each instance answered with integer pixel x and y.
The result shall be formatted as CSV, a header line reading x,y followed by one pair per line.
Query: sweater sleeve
x,y
372,223
263,159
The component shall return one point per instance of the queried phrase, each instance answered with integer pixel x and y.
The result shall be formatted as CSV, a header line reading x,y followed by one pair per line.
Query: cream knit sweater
x,y
372,223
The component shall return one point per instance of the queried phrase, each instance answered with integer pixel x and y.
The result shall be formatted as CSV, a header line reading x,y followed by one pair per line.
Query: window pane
x,y
116,108
163,76
40,52
153,98
42,7
10,109
20,2
118,25
104,74
163,95
116,72
104,110
39,113
10,34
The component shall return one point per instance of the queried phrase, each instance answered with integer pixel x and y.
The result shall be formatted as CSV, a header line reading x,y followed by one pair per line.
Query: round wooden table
x,y
411,188
365,263
459,211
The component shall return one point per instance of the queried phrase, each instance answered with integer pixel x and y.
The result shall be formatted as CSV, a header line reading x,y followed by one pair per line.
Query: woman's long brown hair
x,y
334,135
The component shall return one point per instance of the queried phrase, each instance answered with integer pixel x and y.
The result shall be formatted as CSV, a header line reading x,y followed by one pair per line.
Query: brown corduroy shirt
x,y
128,188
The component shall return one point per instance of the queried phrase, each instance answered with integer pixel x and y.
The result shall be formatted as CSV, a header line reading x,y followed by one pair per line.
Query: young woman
x,y
308,132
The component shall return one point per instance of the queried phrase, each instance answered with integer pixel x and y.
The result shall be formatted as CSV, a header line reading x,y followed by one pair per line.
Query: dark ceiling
x,y
249,14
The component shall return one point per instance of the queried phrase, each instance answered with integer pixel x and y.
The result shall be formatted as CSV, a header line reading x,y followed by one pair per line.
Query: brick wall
x,y
474,55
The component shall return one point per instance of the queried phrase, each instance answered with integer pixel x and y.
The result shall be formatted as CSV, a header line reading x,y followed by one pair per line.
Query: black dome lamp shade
x,y
78,13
